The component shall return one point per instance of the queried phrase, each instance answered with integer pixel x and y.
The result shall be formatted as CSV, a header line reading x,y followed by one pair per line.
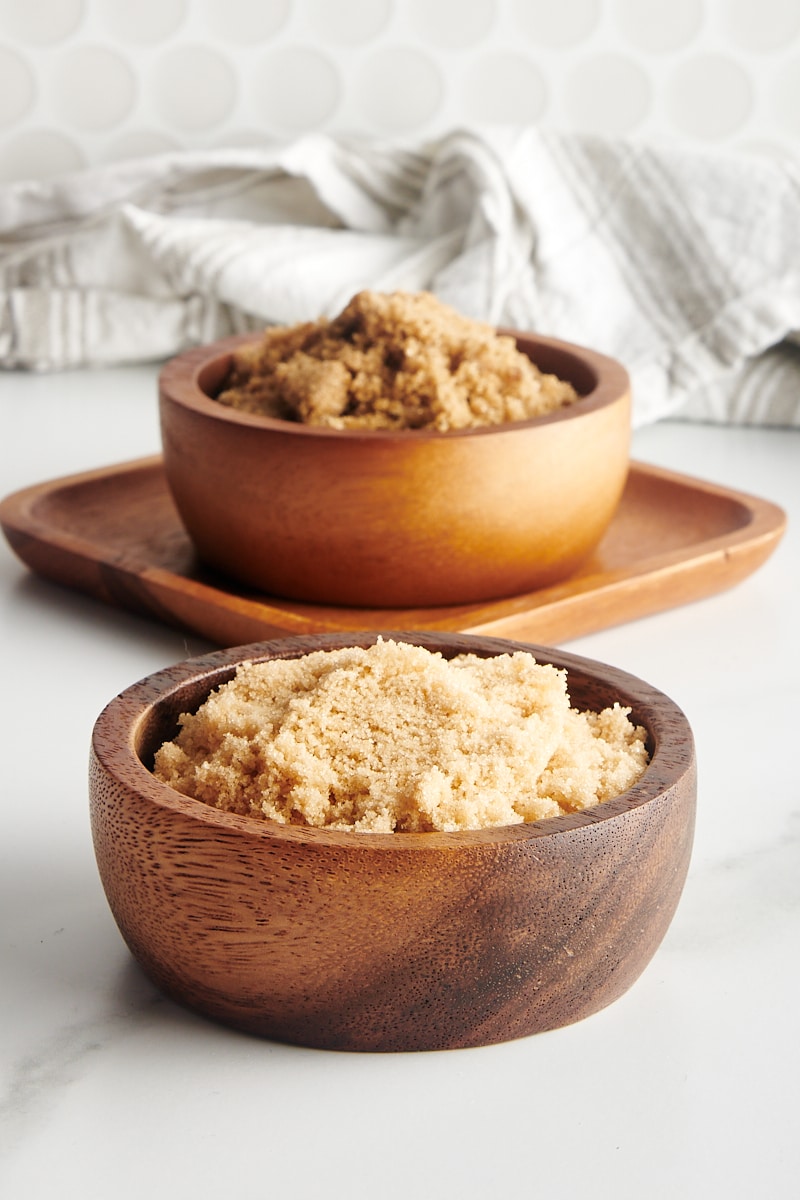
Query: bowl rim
x,y
118,728
179,383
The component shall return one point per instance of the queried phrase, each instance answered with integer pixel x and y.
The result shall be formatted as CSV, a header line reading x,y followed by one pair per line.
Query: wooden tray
x,y
115,534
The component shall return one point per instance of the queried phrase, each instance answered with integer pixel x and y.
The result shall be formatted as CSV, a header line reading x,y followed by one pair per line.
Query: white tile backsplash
x,y
91,81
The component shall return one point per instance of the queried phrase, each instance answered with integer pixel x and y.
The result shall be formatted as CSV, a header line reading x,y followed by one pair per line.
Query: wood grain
x,y
114,533
388,942
391,519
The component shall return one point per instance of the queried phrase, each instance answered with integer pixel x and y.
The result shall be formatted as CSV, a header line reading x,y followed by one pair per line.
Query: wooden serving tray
x,y
115,534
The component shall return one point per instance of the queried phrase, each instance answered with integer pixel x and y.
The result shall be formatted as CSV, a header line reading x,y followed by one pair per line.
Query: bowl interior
x,y
213,374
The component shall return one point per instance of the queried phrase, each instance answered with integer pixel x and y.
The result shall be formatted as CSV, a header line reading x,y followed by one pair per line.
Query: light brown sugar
x,y
397,738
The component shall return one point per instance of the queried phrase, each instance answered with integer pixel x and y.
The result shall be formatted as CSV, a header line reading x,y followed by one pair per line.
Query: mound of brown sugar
x,y
395,737
396,361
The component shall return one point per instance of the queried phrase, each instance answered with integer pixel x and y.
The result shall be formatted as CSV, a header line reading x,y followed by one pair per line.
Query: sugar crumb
x,y
395,737
402,360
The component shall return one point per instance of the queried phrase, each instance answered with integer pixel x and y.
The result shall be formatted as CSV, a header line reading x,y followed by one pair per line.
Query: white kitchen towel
x,y
685,266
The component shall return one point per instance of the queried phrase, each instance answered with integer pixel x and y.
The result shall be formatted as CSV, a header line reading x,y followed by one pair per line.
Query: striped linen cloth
x,y
685,266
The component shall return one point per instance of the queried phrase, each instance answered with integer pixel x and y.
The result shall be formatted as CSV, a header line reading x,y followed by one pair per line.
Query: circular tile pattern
x,y
607,94
43,23
784,97
138,143
246,22
193,87
399,89
144,23
39,154
242,139
295,89
92,87
556,23
452,23
504,89
161,73
348,22
659,28
18,89
709,97
763,26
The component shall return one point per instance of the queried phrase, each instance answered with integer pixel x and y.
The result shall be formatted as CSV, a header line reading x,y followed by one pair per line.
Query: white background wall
x,y
92,81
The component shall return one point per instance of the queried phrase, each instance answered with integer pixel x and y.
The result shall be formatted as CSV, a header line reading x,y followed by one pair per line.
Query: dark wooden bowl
x,y
388,941
396,519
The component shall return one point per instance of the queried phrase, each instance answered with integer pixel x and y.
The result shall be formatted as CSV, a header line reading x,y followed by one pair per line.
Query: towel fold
x,y
684,266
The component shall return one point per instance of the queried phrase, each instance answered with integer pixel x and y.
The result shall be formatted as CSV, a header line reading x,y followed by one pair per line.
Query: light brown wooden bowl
x,y
396,519
388,941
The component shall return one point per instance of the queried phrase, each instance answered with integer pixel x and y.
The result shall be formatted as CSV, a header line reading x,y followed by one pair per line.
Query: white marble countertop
x,y
687,1086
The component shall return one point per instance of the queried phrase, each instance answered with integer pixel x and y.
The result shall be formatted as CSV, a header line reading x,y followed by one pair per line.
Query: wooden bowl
x,y
396,519
404,941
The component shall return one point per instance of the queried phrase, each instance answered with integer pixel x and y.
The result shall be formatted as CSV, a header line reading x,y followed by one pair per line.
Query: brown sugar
x,y
397,738
392,361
